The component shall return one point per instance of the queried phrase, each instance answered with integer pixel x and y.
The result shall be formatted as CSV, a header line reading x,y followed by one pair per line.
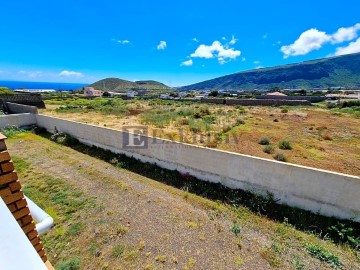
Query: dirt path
x,y
159,227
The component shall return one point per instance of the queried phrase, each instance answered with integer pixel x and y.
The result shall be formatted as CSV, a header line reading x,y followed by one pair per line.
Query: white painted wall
x,y
329,193
17,120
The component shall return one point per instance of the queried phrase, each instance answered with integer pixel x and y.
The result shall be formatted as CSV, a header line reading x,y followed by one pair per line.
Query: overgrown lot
x,y
317,136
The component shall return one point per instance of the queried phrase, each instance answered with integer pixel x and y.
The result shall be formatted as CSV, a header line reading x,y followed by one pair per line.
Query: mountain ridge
x,y
337,71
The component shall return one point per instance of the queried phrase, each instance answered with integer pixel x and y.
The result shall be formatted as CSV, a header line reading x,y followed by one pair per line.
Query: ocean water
x,y
41,85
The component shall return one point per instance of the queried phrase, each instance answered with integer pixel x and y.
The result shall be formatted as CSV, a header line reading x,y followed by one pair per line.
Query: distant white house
x,y
131,94
182,94
35,90
165,96
276,94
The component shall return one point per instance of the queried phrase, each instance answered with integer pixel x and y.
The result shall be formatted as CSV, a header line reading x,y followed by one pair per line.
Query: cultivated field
x,y
108,217
312,136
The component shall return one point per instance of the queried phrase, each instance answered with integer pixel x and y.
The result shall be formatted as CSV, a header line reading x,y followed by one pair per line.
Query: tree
x,y
213,93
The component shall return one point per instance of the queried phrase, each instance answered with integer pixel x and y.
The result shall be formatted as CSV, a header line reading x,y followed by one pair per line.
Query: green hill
x,y
119,85
340,71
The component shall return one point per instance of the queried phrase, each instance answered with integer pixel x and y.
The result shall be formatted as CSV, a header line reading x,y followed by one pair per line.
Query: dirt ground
x,y
122,220
320,138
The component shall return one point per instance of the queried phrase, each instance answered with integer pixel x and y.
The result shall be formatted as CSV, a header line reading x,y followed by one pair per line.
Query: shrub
x,y
276,120
117,251
269,149
331,105
236,229
204,110
73,264
12,131
350,103
280,157
241,109
264,141
324,255
211,144
240,121
226,128
183,121
64,139
326,136
210,119
284,110
285,145
194,126
75,229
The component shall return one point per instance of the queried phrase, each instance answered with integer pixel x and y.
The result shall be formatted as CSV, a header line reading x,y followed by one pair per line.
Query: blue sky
x,y
175,42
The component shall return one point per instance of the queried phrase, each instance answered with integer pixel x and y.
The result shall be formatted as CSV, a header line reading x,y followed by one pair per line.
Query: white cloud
x,y
233,40
308,41
256,62
216,50
314,39
345,34
162,45
195,39
187,63
353,47
68,73
125,41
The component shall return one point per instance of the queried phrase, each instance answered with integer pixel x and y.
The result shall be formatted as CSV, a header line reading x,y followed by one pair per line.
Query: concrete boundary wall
x,y
320,191
17,120
20,108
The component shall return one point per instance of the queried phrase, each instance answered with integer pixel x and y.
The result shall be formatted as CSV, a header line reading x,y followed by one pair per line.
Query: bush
x,y
226,128
264,141
210,119
276,120
117,251
204,110
326,136
240,121
350,103
73,264
12,131
284,110
285,145
269,149
323,255
241,109
64,139
280,157
194,126
183,121
331,105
